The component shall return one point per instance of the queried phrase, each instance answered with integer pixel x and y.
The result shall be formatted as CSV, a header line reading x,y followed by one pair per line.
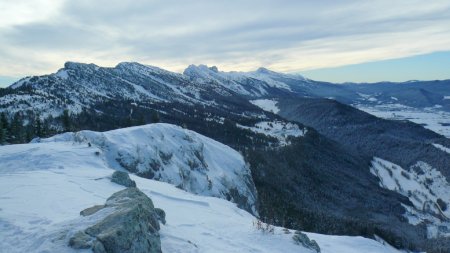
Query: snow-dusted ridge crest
x,y
80,86
197,72
171,154
254,83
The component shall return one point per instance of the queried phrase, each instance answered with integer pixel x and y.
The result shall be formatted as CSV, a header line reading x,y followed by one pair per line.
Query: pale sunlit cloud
x,y
38,36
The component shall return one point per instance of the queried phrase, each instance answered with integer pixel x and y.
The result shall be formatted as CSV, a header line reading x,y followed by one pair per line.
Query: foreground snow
x,y
44,186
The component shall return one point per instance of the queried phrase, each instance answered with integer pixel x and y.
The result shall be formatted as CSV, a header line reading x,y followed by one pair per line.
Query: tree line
x,y
22,128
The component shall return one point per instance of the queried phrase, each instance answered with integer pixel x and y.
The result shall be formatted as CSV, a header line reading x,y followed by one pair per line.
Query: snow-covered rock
x,y
175,155
43,187
427,189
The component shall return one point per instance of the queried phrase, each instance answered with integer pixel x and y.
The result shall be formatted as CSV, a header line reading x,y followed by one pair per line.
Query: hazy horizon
x,y
395,70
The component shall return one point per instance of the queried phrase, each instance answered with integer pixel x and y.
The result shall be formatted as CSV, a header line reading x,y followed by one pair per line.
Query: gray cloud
x,y
286,35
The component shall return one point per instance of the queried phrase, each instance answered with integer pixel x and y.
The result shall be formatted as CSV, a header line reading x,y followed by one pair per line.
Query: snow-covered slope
x,y
441,147
255,83
280,130
232,81
80,86
427,189
44,186
170,154
266,104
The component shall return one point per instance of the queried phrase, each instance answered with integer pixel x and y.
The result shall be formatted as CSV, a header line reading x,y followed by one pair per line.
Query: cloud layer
x,y
38,36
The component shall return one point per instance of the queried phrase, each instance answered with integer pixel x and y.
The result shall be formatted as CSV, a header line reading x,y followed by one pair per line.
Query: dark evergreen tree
x,y
140,120
4,135
46,131
155,116
128,122
17,133
4,120
66,121
38,126
29,132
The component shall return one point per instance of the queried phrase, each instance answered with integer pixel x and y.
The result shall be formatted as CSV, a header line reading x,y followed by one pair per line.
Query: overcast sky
x,y
38,36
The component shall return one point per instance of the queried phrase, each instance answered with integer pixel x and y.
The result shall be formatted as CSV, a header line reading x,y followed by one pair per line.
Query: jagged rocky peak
x,y
263,70
268,72
78,66
202,71
196,70
214,69
143,69
133,67
130,65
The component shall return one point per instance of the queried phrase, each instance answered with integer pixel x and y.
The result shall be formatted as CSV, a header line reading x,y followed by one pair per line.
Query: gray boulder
x,y
91,210
160,215
302,239
122,178
132,226
80,241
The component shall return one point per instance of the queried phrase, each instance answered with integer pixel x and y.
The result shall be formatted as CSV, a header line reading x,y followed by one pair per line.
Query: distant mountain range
x,y
318,163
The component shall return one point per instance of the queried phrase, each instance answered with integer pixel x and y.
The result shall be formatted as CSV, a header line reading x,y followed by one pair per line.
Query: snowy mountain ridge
x,y
254,83
78,86
175,155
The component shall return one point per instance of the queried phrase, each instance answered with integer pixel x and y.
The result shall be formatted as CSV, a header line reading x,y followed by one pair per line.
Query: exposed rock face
x,y
302,239
91,210
80,240
160,215
132,227
122,178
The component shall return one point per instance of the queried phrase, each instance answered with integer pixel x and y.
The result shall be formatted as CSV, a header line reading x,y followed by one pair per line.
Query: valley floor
x,y
431,118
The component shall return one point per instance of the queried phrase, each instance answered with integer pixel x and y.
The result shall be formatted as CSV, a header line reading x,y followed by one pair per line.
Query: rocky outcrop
x,y
91,210
132,227
302,239
122,178
160,215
